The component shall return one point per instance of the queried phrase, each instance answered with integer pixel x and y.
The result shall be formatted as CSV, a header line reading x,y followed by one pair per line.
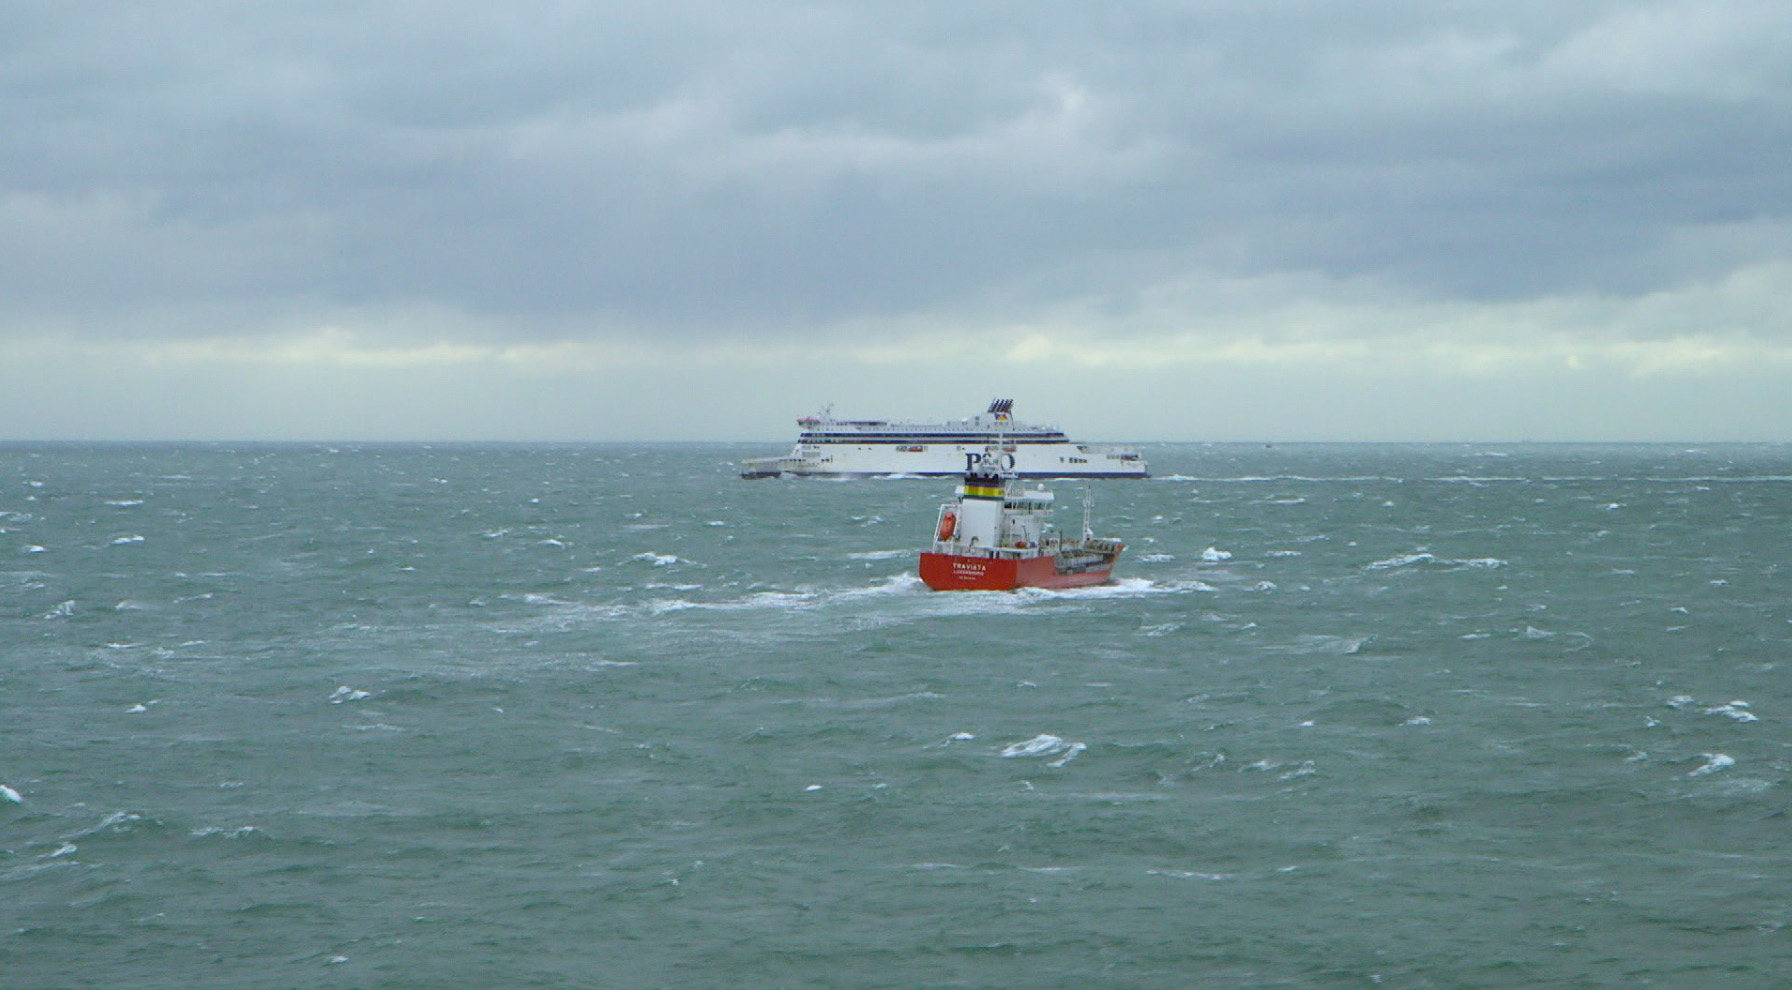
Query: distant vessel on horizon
x,y
836,448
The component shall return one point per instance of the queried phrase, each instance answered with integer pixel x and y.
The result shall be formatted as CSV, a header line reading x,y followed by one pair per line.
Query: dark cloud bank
x,y
1295,219
714,169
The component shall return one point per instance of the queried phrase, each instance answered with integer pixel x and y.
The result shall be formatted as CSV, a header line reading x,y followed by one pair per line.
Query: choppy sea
x,y
607,716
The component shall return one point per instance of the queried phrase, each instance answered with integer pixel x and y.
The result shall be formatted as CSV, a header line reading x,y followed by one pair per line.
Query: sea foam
x,y
1714,762
1044,745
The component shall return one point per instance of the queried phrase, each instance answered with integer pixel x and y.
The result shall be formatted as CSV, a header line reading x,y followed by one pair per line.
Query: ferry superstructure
x,y
992,440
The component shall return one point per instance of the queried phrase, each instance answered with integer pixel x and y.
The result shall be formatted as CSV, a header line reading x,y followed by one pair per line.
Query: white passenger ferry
x,y
992,441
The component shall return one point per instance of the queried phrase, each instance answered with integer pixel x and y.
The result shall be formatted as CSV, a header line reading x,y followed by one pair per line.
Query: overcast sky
x,y
696,219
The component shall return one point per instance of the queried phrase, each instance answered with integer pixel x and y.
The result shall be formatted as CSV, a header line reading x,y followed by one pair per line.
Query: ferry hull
x,y
756,473
945,461
952,572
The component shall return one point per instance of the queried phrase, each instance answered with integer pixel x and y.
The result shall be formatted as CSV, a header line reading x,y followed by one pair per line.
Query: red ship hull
x,y
951,572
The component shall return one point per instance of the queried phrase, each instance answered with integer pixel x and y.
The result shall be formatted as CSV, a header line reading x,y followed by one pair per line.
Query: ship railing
x,y
960,550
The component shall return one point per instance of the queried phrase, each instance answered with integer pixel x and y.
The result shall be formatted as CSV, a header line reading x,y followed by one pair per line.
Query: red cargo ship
x,y
998,537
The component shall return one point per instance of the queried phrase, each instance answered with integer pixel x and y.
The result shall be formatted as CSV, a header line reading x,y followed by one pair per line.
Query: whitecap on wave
x,y
879,554
1737,710
210,831
1044,745
117,821
898,584
1189,875
1403,560
1319,644
1426,559
1714,762
1118,588
895,584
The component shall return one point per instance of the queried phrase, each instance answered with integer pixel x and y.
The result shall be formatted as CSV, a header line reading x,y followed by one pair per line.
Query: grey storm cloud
x,y
724,168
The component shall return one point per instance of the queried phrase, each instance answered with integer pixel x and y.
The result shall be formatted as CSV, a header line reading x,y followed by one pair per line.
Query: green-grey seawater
x,y
607,716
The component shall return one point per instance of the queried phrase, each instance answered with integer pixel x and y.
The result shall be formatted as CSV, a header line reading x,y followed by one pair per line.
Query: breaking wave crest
x,y
1426,560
